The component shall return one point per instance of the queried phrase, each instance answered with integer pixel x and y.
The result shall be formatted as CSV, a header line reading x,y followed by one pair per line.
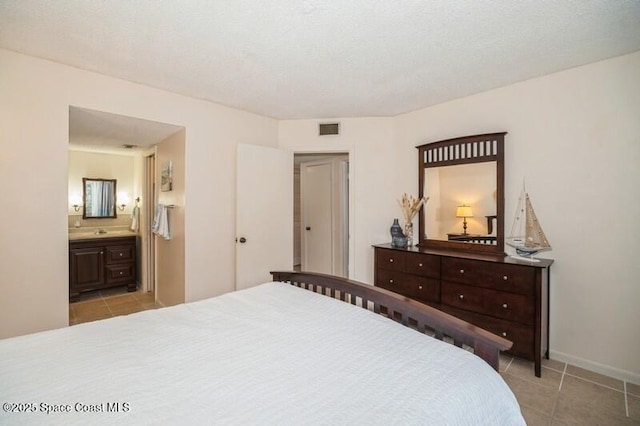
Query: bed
x,y
285,352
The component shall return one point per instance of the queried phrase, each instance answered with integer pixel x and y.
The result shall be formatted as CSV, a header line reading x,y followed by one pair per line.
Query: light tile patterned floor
x,y
109,303
568,395
564,395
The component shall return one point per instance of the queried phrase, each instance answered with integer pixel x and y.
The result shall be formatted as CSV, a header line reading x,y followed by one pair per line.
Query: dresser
x,y
510,298
99,263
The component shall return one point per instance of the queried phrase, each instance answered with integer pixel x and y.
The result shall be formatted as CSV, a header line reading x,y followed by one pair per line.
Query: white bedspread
x,y
274,354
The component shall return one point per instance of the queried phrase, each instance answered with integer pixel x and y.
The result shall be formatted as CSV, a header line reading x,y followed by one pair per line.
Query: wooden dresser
x,y
99,263
507,297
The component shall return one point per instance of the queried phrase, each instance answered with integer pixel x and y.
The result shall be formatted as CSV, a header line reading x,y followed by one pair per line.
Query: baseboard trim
x,y
607,370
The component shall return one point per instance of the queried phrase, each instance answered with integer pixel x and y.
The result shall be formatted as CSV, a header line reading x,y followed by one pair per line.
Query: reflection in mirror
x,y
99,198
449,188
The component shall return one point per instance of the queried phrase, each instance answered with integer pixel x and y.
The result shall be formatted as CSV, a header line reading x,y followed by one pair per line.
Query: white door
x,y
264,214
324,205
316,208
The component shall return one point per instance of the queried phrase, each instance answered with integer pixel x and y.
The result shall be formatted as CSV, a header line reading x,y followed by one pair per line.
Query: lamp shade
x,y
123,198
464,211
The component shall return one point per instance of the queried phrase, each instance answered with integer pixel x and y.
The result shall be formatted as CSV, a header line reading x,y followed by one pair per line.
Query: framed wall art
x,y
166,177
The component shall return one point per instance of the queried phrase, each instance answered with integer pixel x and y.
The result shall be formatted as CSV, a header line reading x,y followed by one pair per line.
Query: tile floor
x,y
109,303
564,395
568,395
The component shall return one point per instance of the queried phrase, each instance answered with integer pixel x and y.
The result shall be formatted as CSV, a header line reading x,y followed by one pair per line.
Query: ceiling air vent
x,y
329,129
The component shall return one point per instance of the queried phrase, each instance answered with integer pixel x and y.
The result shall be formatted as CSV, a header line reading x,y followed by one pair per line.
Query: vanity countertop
x,y
93,235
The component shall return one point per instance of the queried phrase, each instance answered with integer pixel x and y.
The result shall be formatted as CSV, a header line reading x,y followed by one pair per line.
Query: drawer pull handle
x,y
121,272
461,296
391,260
504,305
504,333
419,287
420,265
390,281
504,277
462,271
120,254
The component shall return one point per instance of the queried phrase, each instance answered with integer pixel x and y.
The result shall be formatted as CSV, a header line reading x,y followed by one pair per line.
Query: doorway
x,y
148,262
321,213
123,148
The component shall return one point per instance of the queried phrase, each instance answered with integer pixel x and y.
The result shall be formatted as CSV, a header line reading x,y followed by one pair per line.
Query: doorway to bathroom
x,y
126,150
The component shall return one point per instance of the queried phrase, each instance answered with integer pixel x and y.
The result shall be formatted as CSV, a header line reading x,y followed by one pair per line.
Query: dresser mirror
x,y
464,180
99,198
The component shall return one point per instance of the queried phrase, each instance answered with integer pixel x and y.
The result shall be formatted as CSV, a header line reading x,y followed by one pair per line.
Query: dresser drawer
x,y
415,287
422,264
392,260
512,278
119,254
520,335
119,273
509,306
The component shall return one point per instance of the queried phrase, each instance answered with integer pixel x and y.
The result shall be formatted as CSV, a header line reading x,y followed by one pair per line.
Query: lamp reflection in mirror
x,y
464,212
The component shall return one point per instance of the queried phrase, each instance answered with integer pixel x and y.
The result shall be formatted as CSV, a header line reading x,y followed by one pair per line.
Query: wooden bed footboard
x,y
409,312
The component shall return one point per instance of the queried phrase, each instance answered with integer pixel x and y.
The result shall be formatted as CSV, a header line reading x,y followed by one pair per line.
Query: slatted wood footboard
x,y
409,312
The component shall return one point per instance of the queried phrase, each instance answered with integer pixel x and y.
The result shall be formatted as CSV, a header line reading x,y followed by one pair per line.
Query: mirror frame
x,y
464,150
84,198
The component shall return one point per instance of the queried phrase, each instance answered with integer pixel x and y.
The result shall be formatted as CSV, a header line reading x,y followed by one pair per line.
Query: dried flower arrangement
x,y
411,206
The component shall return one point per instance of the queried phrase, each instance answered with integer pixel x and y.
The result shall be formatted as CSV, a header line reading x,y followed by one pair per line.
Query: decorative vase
x,y
396,231
399,241
408,232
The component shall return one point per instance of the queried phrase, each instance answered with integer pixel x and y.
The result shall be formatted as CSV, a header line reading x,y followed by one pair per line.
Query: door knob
x,y
243,240
308,228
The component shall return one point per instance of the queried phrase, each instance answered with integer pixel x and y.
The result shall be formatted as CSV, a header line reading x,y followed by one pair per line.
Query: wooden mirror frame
x,y
114,213
464,150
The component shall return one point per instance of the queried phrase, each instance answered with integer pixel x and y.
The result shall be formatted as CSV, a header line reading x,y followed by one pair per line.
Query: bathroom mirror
x,y
464,180
99,198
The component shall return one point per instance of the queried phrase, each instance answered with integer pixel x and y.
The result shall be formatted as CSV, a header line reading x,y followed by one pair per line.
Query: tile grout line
x,y
595,383
626,400
555,402
562,377
508,365
105,302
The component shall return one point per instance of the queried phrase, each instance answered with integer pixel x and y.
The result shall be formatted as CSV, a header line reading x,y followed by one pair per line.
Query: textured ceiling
x,y
322,58
104,132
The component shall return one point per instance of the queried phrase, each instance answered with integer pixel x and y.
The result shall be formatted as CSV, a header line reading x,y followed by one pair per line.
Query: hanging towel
x,y
161,222
135,217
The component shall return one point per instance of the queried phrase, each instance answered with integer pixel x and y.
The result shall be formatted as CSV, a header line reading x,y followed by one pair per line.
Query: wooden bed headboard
x,y
408,312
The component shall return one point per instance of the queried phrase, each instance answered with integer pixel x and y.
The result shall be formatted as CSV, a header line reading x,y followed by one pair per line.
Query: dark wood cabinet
x,y
100,263
411,274
510,298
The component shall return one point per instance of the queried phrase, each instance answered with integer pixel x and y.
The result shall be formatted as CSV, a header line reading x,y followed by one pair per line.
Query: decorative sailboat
x,y
526,235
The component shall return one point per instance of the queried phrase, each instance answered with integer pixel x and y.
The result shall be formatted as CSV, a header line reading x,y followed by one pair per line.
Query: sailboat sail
x,y
526,235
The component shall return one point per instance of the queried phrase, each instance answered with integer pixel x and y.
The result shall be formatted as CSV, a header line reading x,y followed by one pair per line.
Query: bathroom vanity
x,y
98,262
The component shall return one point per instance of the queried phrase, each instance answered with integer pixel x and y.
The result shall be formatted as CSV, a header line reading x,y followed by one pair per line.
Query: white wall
x,y
575,137
372,165
34,120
